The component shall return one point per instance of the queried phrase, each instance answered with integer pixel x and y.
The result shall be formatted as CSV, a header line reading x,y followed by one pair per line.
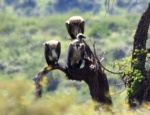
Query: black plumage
x,y
52,50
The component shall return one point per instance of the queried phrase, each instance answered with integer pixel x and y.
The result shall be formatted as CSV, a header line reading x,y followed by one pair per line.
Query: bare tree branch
x,y
111,71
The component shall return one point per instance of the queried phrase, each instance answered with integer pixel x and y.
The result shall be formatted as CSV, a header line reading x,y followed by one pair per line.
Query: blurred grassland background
x,y
26,24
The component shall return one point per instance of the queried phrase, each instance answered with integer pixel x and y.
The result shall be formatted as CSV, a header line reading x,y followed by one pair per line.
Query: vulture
x,y
75,25
52,52
76,52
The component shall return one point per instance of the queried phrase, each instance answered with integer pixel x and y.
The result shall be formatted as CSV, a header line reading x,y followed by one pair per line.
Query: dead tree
x,y
138,60
91,73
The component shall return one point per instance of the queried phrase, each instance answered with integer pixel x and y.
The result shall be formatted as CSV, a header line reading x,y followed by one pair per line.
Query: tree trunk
x,y
139,57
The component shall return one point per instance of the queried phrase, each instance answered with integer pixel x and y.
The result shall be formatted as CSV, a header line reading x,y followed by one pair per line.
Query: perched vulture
x,y
52,52
76,52
75,25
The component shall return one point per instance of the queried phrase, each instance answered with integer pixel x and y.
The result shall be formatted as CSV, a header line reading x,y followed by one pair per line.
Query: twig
x,y
102,57
119,92
111,71
93,44
94,48
107,5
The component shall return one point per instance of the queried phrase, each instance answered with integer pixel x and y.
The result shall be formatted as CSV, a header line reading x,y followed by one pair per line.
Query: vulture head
x,y
75,25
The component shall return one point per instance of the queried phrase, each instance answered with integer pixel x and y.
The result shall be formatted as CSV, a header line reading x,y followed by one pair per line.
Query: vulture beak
x,y
84,37
80,35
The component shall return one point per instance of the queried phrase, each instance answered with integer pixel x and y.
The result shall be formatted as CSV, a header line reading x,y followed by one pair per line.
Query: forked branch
x,y
91,73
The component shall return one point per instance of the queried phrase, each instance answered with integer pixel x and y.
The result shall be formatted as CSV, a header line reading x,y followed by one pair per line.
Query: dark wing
x,y
69,29
46,54
58,50
82,26
79,64
69,56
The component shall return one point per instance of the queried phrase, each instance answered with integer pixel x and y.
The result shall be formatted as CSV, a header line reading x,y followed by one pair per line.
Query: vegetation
x,y
22,35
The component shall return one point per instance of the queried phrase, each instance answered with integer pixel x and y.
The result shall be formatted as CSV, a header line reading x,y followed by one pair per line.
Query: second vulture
x,y
76,52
